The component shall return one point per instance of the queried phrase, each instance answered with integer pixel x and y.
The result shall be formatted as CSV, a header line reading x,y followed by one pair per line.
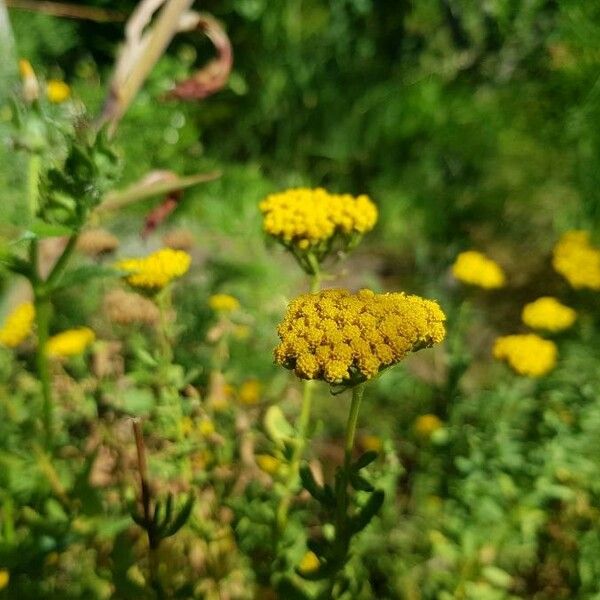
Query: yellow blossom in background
x,y
527,354
156,270
474,268
186,426
70,342
309,563
305,217
57,91
249,392
25,68
4,578
577,260
549,314
371,443
267,463
206,427
31,88
426,425
17,325
223,303
342,337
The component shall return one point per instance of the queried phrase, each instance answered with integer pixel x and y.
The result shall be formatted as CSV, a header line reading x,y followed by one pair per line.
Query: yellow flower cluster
x,y
4,578
223,303
475,268
342,337
549,314
156,270
17,325
305,217
527,354
426,425
70,342
57,91
310,563
577,260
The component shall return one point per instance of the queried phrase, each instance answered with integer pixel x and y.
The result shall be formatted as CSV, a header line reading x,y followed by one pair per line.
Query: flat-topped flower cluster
x,y
577,260
156,270
342,337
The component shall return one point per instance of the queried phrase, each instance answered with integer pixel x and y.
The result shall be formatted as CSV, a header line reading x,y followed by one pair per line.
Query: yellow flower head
x,y
577,260
310,563
371,443
267,463
249,392
549,314
17,325
223,303
70,342
475,268
4,578
305,217
57,91
527,354
342,337
25,69
427,425
31,89
156,270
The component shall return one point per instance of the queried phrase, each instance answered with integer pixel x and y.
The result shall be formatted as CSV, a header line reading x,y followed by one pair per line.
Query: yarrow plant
x,y
577,260
549,314
70,343
474,268
17,326
527,354
157,270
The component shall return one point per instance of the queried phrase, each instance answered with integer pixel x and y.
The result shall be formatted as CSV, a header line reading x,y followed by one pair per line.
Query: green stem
x,y
315,281
357,394
43,309
63,259
33,177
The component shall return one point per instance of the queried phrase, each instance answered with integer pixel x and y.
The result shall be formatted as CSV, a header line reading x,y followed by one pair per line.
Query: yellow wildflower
x,y
527,354
31,88
309,563
4,578
305,217
57,91
70,342
475,268
156,270
17,325
206,427
223,303
186,426
548,313
426,425
267,463
577,260
342,337
249,392
371,443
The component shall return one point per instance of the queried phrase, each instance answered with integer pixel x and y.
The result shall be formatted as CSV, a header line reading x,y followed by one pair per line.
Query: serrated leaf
x,y
368,511
365,459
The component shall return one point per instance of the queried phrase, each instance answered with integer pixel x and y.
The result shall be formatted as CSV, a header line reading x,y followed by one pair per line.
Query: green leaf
x,y
181,519
17,265
311,486
41,230
364,460
85,273
367,512
277,427
360,483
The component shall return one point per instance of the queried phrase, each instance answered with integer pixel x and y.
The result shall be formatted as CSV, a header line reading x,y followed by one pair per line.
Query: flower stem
x,y
33,176
357,394
43,309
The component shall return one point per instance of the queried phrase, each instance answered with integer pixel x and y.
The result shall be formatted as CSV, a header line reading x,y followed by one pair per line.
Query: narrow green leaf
x,y
181,519
358,482
364,460
311,486
367,512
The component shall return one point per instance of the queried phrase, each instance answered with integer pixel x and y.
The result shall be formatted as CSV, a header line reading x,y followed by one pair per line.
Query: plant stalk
x,y
43,309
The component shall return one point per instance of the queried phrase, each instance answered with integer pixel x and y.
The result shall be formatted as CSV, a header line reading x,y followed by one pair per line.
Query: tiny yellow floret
x,y
57,91
341,337
249,392
310,563
371,443
305,217
223,303
4,578
267,463
71,342
527,354
577,260
549,314
474,268
17,325
426,425
156,270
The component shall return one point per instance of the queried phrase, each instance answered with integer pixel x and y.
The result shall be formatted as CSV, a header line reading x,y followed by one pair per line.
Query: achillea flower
x,y
223,303
348,338
156,270
426,425
310,563
371,443
304,217
4,578
527,354
96,242
267,463
57,91
126,308
549,314
577,260
17,325
475,268
70,342
249,392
